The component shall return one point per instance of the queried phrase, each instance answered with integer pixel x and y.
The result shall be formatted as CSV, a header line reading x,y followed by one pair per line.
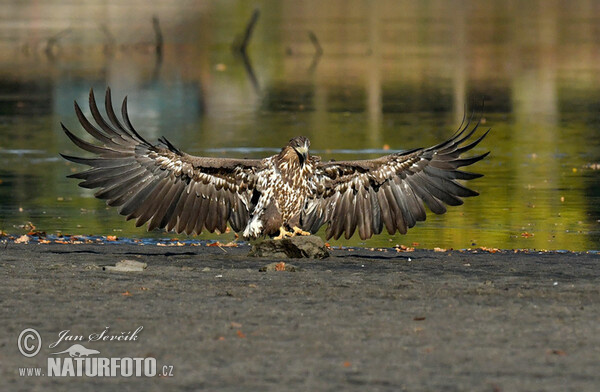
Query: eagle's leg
x,y
283,233
298,230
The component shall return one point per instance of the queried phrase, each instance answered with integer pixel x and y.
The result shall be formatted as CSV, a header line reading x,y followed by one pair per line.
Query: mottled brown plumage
x,y
167,188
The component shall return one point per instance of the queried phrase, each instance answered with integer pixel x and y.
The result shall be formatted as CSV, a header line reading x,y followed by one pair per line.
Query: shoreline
x,y
77,239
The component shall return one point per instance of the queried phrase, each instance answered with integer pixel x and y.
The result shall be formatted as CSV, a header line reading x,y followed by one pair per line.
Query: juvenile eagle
x,y
290,193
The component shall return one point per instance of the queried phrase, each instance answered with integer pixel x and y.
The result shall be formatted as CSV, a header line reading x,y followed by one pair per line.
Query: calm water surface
x,y
394,75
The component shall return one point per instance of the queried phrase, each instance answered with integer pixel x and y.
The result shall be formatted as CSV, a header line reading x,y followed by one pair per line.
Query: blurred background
x,y
359,78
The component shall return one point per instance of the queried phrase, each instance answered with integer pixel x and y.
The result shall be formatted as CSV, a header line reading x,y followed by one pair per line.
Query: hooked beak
x,y
303,152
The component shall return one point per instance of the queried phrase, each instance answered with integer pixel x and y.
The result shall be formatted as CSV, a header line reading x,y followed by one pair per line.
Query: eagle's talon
x,y
283,233
298,230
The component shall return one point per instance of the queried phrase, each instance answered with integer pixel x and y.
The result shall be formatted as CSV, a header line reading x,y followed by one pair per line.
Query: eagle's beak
x,y
303,152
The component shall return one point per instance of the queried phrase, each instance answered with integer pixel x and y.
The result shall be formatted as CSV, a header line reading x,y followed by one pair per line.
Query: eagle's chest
x,y
290,185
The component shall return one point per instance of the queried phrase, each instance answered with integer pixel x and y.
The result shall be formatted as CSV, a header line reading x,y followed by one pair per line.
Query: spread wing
x,y
390,191
160,184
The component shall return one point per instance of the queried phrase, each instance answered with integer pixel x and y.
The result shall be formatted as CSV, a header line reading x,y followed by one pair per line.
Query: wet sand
x,y
359,320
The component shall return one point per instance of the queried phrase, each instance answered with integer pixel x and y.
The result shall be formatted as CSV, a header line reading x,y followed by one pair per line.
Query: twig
x,y
241,47
158,45
250,71
313,38
158,36
318,52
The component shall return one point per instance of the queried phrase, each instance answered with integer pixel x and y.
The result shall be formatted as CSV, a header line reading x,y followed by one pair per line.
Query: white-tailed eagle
x,y
290,193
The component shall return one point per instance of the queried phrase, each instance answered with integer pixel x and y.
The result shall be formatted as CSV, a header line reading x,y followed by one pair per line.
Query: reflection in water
x,y
378,75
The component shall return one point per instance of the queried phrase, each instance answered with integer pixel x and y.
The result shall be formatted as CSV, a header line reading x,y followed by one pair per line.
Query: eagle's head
x,y
300,144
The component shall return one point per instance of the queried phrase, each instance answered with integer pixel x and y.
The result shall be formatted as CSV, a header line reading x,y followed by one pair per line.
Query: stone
x,y
281,266
296,247
126,266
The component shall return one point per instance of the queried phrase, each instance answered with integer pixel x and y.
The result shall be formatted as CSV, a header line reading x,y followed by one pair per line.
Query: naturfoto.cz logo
x,y
79,361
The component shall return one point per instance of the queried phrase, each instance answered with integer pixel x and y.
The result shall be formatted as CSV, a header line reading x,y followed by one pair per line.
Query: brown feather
x,y
386,211
164,205
211,218
195,209
204,210
149,206
186,211
375,213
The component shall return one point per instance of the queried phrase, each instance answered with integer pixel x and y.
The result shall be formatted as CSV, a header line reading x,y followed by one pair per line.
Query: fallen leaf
x,y
126,294
419,318
236,325
526,234
280,266
24,239
489,250
439,249
557,352
347,364
403,248
111,237
240,334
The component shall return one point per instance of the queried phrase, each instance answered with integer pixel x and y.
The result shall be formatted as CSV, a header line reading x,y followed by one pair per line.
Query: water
x,y
394,75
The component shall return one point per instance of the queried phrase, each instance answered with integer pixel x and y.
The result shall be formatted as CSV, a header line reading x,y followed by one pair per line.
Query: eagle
x,y
287,194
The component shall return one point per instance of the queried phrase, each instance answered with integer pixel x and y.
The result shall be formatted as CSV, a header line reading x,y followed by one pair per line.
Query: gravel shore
x,y
377,320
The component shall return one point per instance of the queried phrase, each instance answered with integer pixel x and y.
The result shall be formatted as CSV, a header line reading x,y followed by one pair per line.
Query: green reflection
x,y
392,73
